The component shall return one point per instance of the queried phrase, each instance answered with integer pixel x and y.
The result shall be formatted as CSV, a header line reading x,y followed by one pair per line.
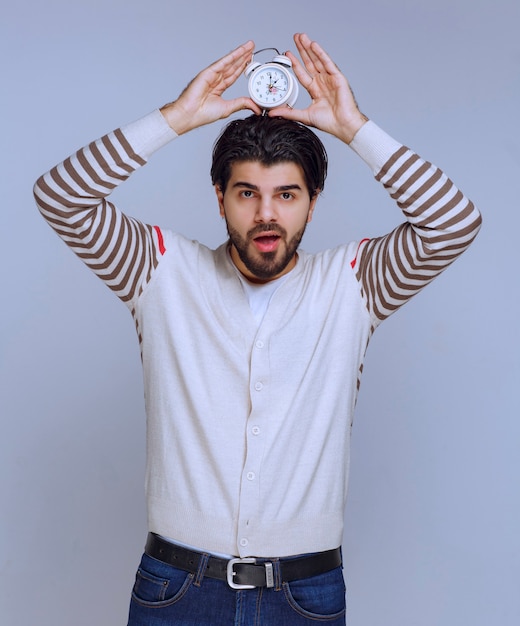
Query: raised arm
x,y
73,196
440,221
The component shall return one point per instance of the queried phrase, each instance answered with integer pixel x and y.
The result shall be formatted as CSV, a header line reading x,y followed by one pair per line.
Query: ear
x,y
312,206
220,199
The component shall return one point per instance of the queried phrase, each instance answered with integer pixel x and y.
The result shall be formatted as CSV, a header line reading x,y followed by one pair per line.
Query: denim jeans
x,y
164,595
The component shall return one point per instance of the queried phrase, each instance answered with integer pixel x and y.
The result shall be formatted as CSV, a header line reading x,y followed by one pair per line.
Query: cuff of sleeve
x,y
374,146
149,133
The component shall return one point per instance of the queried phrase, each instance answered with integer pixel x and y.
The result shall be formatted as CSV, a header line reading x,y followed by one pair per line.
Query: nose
x,y
266,211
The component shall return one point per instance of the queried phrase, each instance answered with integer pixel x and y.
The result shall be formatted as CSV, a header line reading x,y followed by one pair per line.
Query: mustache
x,y
264,228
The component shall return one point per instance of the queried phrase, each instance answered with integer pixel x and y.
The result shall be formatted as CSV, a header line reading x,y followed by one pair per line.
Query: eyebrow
x,y
256,188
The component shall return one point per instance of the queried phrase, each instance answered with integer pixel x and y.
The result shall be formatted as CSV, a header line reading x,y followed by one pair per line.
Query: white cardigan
x,y
248,428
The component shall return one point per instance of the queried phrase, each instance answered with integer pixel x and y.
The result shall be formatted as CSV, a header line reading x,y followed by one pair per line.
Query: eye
x,y
246,193
286,195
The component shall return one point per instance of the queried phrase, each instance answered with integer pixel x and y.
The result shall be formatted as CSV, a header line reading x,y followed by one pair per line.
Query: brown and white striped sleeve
x,y
440,225
72,197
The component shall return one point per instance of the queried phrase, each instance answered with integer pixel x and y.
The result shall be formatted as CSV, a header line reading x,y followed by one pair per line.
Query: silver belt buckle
x,y
231,573
269,576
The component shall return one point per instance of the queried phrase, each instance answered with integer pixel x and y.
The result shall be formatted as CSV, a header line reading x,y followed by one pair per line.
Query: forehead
x,y
267,176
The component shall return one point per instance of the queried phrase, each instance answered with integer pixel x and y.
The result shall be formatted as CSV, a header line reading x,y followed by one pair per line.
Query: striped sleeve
x,y
73,198
440,225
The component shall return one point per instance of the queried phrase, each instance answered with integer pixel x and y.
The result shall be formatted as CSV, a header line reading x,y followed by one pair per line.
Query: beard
x,y
265,265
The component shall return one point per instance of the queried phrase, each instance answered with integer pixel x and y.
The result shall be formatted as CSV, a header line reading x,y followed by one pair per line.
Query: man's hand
x,y
202,102
333,108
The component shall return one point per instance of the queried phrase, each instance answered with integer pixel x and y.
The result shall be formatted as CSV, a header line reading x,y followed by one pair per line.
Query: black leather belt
x,y
245,573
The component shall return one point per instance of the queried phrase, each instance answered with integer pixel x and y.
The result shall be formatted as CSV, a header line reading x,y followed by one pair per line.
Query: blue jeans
x,y
164,595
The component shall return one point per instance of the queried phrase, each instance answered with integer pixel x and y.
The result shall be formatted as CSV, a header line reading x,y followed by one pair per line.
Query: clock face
x,y
270,86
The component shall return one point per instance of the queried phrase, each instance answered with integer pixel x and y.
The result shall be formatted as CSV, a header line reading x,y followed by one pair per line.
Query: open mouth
x,y
267,242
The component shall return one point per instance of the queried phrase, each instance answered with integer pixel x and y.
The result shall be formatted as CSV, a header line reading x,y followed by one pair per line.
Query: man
x,y
252,353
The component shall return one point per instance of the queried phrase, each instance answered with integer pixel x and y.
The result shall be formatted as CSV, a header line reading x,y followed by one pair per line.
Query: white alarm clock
x,y
272,84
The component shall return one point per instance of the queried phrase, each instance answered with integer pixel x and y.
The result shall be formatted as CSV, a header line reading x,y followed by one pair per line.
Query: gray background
x,y
433,514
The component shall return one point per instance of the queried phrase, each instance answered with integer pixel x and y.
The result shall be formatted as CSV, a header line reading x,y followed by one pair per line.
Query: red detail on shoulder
x,y
354,261
162,249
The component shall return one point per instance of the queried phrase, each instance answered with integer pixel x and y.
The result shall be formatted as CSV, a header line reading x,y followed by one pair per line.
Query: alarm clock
x,y
272,84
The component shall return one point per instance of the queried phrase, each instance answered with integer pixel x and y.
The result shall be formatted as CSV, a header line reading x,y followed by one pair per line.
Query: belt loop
x,y
201,570
277,571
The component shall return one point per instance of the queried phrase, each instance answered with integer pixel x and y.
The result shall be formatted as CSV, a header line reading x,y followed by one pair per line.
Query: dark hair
x,y
269,140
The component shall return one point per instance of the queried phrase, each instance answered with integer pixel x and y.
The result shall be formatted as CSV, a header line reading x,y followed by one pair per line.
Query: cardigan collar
x,y
235,302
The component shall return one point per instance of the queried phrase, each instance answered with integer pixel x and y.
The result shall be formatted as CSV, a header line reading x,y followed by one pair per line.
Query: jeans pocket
x,y
159,584
320,597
